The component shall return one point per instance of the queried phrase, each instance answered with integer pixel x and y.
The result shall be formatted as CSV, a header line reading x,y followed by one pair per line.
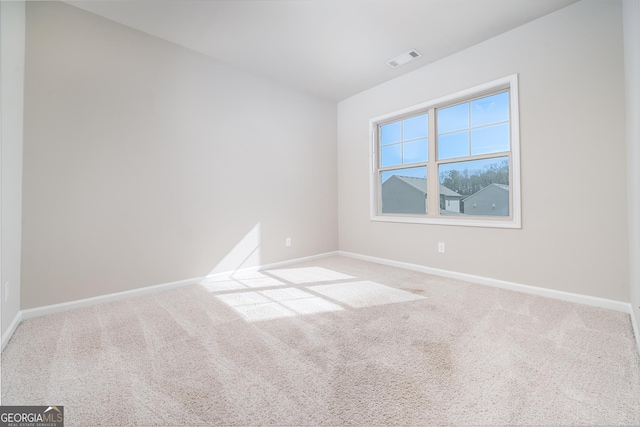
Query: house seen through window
x,y
453,161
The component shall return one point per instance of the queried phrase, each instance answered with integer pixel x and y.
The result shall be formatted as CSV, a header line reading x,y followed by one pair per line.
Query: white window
x,y
463,149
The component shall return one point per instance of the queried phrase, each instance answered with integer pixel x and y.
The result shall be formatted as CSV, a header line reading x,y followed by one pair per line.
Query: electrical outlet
x,y
441,247
287,241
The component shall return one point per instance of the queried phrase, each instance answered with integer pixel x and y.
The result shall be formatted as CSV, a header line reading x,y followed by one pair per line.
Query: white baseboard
x,y
609,304
12,328
550,293
624,307
117,296
635,324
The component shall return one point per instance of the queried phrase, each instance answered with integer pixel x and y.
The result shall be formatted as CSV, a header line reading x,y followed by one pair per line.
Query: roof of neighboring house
x,y
421,184
501,186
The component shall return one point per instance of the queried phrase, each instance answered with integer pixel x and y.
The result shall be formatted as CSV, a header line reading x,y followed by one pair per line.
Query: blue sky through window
x,y
405,141
391,133
477,127
491,109
490,139
415,127
454,118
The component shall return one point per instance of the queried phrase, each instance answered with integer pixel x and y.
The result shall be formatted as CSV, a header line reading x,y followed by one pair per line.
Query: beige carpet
x,y
333,342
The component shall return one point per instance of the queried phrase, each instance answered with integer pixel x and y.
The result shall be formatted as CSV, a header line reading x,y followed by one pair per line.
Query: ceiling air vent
x,y
404,58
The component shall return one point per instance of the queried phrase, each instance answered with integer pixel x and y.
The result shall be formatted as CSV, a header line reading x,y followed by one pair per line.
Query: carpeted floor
x,y
333,342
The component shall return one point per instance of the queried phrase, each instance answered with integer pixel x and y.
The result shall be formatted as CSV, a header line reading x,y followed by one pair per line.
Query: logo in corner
x,y
31,416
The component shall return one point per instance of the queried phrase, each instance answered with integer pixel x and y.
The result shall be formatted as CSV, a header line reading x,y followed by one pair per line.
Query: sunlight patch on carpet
x,y
276,304
364,294
277,294
299,276
238,281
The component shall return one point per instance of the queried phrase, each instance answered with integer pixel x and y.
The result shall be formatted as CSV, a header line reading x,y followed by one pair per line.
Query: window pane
x,y
404,191
453,118
415,151
391,133
415,127
490,139
482,187
391,156
453,145
492,109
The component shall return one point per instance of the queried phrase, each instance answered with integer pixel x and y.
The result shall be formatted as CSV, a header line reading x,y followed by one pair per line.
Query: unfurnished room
x,y
320,212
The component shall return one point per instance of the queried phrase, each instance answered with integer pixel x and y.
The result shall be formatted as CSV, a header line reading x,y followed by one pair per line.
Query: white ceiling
x,y
332,48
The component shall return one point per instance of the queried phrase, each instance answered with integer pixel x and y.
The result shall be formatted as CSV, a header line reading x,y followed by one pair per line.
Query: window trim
x,y
515,218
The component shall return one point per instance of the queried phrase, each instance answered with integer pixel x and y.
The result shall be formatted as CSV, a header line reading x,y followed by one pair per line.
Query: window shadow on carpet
x,y
280,293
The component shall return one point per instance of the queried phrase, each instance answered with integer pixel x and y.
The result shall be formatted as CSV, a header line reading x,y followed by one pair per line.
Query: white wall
x,y
12,50
146,163
631,22
129,180
572,120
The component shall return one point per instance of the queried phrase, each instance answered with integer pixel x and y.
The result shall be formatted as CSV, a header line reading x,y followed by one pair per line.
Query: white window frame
x,y
515,214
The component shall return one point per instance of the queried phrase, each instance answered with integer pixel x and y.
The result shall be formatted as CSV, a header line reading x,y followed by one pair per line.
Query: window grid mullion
x,y
502,122
469,130
398,167
432,169
433,164
474,157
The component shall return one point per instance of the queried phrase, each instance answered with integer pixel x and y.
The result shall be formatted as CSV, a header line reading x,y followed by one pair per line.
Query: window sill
x,y
466,222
